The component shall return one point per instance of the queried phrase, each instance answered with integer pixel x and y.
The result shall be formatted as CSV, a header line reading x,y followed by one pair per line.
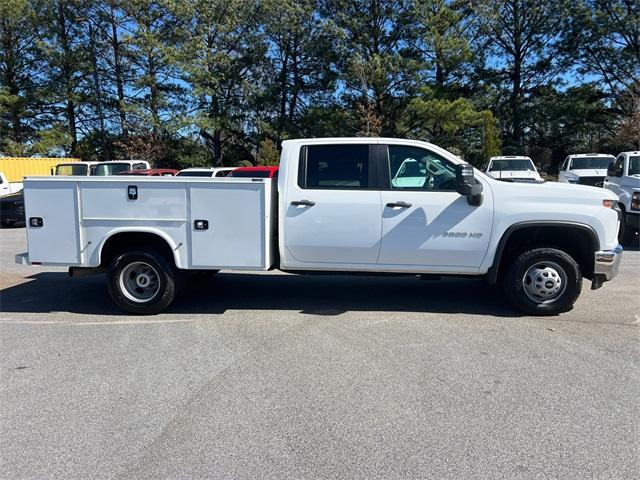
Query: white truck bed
x,y
80,214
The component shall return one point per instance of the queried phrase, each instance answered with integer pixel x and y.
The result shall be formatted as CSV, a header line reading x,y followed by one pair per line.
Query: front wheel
x,y
142,282
543,281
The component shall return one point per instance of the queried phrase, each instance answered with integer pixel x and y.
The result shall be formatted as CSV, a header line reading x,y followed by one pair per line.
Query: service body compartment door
x,y
154,200
58,239
230,224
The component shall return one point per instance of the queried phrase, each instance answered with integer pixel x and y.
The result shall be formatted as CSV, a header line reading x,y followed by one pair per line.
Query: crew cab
x,y
335,208
623,179
513,169
585,169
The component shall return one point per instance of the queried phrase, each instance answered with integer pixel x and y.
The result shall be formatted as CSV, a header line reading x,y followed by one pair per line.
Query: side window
x,y
335,167
619,166
221,174
413,168
564,164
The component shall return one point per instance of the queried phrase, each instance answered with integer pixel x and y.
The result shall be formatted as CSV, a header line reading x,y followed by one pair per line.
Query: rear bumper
x,y
606,265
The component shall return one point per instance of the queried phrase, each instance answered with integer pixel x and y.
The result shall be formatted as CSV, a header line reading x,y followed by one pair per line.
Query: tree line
x,y
223,82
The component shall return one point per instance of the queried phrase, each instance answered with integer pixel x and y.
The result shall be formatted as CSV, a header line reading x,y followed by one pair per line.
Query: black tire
x,y
520,286
627,235
119,280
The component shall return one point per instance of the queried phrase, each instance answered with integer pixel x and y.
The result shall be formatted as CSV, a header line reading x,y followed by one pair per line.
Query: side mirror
x,y
467,185
611,171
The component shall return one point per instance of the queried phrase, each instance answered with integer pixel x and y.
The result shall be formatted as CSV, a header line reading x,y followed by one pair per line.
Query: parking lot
x,y
284,376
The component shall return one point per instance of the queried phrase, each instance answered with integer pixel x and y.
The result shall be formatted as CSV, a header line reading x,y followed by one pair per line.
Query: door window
x,y
619,166
413,168
336,167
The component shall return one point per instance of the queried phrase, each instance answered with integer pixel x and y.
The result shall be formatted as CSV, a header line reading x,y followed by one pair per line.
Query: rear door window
x,y
336,167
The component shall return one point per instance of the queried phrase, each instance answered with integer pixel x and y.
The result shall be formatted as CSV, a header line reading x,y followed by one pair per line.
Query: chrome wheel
x,y
139,282
543,282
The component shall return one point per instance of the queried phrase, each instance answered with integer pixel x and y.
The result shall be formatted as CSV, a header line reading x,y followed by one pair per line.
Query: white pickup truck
x,y
623,179
340,205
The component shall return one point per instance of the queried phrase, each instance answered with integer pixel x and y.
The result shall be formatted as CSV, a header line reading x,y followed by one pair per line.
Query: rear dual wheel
x,y
142,282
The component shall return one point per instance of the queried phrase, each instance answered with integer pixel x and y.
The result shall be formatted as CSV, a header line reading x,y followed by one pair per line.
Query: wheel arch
x,y
548,233
118,239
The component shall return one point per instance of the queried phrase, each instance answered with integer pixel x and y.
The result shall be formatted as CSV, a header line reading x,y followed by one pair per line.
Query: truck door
x,y
425,222
562,169
613,182
333,210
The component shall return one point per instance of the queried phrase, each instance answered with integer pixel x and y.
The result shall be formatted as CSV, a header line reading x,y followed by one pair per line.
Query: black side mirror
x,y
611,171
467,185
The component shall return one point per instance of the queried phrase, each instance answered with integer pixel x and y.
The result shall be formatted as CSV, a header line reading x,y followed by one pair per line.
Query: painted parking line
x,y
9,321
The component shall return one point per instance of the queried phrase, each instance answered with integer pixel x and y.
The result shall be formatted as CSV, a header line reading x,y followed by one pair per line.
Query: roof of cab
x,y
577,155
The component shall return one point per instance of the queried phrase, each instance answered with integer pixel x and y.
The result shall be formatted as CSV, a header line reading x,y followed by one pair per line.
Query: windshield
x,y
516,164
588,163
251,174
204,173
634,165
111,168
72,169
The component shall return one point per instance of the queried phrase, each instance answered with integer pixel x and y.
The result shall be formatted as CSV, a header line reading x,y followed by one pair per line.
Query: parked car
x,y
12,209
151,172
585,169
82,169
513,169
114,167
333,209
217,172
623,179
255,172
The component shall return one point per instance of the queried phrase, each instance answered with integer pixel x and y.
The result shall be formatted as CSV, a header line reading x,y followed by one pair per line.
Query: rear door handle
x,y
303,203
398,204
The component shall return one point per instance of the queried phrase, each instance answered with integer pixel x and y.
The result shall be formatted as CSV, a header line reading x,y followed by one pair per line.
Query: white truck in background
x,y
513,168
585,169
623,179
340,205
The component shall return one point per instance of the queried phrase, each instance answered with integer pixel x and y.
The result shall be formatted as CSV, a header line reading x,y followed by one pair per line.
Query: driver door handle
x,y
303,203
398,204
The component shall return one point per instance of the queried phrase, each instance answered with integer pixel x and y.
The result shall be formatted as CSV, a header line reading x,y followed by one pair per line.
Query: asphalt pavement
x,y
310,377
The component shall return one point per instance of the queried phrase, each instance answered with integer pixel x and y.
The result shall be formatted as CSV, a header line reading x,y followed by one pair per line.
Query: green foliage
x,y
222,82
491,143
454,125
268,153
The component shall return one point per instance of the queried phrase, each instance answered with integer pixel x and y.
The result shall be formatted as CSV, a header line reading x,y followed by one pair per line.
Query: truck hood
x,y
557,191
592,172
632,181
510,174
